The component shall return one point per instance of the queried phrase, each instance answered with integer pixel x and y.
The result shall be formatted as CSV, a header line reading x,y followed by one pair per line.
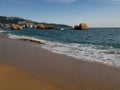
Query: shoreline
x,y
105,54
35,42
65,73
40,42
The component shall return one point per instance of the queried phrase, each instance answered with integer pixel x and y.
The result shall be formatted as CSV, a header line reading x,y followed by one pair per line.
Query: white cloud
x,y
113,1
116,1
62,1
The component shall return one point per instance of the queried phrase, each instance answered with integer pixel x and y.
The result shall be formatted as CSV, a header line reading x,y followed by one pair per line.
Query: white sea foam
x,y
103,54
1,31
89,52
24,37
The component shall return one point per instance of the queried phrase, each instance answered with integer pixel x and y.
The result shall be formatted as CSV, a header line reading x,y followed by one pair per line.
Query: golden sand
x,y
34,68
13,79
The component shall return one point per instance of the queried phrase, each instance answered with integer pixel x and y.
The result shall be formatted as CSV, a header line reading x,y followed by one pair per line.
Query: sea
x,y
94,45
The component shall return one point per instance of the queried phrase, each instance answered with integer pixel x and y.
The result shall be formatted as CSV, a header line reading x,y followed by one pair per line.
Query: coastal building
x,y
7,25
31,26
21,22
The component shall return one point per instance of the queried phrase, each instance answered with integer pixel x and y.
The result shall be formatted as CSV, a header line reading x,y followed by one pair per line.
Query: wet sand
x,y
43,70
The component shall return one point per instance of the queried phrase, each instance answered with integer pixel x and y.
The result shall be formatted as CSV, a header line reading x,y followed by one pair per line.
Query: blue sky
x,y
96,13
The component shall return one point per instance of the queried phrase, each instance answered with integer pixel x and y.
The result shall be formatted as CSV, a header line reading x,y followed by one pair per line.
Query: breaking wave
x,y
98,53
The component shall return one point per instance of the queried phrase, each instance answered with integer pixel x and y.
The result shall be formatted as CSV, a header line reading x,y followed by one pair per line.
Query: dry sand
x,y
13,79
39,69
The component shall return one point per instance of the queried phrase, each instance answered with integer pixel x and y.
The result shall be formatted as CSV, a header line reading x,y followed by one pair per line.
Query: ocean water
x,y
96,44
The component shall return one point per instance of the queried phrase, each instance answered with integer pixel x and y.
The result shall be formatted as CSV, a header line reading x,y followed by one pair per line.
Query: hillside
x,y
17,20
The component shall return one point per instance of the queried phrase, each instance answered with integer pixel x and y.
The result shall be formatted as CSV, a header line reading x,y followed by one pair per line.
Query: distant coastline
x,y
20,23
16,23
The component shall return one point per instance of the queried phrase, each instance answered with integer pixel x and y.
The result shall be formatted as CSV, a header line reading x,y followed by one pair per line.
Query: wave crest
x,y
89,52
25,38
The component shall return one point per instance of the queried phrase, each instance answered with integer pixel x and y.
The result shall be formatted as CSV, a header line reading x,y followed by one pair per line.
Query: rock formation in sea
x,y
16,27
81,26
42,26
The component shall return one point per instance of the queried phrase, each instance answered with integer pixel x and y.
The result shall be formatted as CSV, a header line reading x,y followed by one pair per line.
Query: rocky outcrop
x,y
42,26
30,40
81,26
16,27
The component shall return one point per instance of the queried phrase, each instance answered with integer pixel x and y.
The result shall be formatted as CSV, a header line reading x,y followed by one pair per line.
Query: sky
x,y
95,13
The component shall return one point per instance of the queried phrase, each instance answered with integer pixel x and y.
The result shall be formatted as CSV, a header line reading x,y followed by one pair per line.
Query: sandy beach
x,y
26,67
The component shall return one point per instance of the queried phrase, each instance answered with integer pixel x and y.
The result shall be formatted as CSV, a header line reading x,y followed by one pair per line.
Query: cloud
x,y
61,1
113,1
116,1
